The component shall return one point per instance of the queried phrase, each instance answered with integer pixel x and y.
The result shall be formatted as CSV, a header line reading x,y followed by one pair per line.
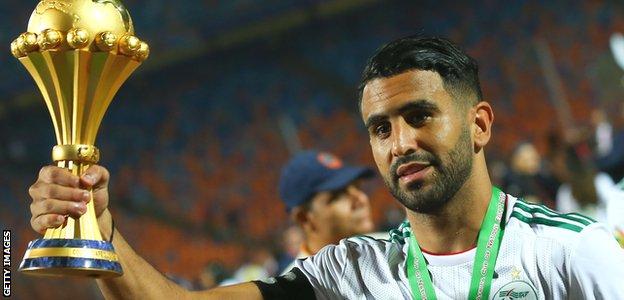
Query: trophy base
x,y
71,257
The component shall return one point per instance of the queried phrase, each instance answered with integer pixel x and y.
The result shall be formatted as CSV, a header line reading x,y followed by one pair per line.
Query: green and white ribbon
x,y
488,243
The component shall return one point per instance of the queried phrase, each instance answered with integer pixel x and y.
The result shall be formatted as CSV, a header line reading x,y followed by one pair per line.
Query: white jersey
x,y
543,255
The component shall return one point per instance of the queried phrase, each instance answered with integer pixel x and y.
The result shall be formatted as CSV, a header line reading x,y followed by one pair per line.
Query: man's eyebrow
x,y
421,104
374,119
416,105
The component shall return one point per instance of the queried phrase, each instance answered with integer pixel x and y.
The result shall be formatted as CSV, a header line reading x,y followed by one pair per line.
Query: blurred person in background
x,y
211,276
526,177
603,133
610,158
583,189
324,198
260,265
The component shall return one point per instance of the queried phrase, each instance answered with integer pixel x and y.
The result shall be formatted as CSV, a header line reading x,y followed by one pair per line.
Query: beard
x,y
447,178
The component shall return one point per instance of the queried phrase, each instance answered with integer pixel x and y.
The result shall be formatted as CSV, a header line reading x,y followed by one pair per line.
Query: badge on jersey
x,y
518,289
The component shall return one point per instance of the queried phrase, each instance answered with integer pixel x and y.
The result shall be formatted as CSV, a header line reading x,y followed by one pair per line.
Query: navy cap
x,y
310,172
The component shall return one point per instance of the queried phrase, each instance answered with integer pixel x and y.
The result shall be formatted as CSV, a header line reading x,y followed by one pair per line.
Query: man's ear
x,y
482,124
299,215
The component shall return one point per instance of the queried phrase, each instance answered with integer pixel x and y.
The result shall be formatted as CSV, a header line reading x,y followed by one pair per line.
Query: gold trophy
x,y
79,52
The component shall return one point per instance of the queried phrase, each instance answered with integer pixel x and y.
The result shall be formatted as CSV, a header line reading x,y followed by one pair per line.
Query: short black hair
x,y
459,71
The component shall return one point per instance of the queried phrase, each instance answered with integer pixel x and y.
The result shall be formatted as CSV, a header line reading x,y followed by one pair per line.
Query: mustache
x,y
414,157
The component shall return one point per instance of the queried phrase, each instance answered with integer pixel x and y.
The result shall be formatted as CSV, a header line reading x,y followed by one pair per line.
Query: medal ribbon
x,y
488,243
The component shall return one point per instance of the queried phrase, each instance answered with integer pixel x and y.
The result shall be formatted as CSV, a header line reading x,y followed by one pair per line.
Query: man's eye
x,y
418,119
382,130
337,195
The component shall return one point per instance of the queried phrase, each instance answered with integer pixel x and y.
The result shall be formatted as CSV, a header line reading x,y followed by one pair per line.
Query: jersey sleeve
x,y
597,266
325,270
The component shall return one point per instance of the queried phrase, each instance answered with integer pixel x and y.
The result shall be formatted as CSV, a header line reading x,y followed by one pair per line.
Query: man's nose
x,y
403,139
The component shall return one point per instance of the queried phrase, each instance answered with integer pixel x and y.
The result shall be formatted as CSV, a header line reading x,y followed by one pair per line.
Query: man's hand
x,y
58,193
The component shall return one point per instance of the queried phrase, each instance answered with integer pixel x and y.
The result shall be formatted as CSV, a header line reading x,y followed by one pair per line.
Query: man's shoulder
x,y
370,242
368,247
544,223
372,238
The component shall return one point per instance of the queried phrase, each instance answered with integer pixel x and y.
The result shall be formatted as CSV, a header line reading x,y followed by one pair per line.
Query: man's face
x,y
419,136
342,213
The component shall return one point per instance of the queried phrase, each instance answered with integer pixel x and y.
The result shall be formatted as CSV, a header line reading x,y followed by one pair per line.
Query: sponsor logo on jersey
x,y
518,289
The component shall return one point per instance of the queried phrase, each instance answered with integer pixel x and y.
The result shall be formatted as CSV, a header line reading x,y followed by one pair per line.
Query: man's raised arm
x,y
58,193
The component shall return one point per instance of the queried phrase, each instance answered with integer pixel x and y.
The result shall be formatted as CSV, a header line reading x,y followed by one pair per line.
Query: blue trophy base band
x,y
71,243
70,263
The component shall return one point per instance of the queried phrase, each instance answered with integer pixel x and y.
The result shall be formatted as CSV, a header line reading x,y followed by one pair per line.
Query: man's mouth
x,y
411,172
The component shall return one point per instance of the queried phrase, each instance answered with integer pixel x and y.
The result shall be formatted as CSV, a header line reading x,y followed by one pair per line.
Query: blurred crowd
x,y
195,146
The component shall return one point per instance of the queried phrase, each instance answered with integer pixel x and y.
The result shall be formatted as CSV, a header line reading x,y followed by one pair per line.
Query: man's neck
x,y
315,242
456,226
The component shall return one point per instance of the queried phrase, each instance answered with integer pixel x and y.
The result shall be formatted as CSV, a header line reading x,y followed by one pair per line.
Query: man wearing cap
x,y
324,198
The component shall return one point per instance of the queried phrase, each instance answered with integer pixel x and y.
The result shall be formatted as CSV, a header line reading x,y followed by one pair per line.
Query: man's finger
x,y
60,176
94,175
41,191
41,223
57,207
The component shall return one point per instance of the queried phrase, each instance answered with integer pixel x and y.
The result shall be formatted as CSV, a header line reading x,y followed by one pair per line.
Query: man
x,y
324,198
422,105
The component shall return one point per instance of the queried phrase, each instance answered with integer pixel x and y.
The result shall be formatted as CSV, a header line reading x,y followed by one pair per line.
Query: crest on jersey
x,y
329,161
518,289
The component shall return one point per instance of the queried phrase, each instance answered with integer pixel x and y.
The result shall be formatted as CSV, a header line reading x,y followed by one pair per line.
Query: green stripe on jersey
x,y
540,214
534,208
545,221
591,221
